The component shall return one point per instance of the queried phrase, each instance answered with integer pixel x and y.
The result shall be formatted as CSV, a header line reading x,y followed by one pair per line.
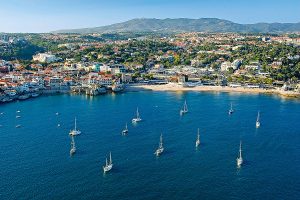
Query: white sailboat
x,y
75,132
160,148
198,138
108,164
239,160
73,147
125,131
138,118
257,124
230,110
184,110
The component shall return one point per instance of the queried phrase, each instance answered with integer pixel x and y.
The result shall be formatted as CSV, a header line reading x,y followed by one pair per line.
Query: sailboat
x,y
184,110
73,147
138,118
257,121
160,148
75,132
230,110
239,160
125,131
108,164
198,139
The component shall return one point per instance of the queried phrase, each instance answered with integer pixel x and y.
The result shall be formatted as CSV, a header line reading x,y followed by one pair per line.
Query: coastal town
x,y
93,64
149,99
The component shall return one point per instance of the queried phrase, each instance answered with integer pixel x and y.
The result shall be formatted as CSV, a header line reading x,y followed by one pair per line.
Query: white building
x,y
45,58
234,65
105,68
225,66
252,67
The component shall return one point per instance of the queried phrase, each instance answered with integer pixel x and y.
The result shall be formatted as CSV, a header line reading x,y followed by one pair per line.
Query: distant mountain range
x,y
187,25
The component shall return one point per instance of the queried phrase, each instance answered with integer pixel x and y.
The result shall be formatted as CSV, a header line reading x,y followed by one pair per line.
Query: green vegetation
x,y
23,51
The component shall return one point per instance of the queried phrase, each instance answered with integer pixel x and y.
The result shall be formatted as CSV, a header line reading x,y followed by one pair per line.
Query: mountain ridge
x,y
178,25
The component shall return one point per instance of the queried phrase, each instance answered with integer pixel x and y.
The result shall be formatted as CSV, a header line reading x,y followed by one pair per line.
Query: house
x,y
236,64
252,67
182,79
225,66
45,58
126,78
105,80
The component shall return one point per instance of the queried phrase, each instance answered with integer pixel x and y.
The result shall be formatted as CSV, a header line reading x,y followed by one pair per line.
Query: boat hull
x,y
107,168
159,151
136,120
257,124
239,162
75,132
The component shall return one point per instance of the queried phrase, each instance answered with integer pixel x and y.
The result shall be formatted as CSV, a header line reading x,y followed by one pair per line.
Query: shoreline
x,y
173,87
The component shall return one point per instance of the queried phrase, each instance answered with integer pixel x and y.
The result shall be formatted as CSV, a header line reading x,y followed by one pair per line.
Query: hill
x,y
188,25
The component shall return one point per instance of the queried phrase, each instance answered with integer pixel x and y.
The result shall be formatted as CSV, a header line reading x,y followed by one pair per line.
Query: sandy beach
x,y
176,87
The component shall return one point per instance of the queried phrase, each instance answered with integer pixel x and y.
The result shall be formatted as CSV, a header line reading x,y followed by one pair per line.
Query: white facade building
x,y
45,57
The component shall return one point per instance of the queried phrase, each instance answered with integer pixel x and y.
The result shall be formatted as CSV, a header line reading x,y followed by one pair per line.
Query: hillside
x,y
188,25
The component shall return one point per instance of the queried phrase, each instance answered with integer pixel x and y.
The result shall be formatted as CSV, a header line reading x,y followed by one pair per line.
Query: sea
x,y
35,162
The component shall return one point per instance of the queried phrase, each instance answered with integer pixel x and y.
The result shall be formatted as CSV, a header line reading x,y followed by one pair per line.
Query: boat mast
x,y
73,143
75,123
110,160
198,138
240,149
257,117
137,113
185,106
161,142
106,162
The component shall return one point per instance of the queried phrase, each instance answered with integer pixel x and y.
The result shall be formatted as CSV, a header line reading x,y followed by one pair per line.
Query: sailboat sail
x,y
110,160
138,118
184,109
198,138
239,160
108,164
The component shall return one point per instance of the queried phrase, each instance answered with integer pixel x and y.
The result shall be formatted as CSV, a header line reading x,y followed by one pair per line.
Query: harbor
x,y
40,144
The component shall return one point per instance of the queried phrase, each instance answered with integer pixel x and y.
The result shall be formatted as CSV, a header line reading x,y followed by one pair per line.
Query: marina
x,y
135,168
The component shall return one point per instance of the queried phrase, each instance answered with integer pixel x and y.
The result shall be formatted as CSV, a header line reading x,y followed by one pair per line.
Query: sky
x,y
50,15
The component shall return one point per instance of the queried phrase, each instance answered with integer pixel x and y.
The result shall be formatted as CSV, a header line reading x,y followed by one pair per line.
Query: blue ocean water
x,y
35,161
